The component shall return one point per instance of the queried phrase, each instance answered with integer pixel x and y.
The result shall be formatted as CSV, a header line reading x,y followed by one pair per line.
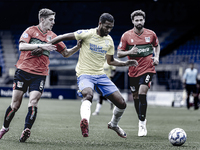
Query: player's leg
x,y
120,106
10,112
36,88
86,86
19,88
194,90
98,106
188,90
111,92
144,82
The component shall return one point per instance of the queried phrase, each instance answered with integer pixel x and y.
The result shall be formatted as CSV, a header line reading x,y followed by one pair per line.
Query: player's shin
x,y
8,117
31,116
143,107
85,110
117,114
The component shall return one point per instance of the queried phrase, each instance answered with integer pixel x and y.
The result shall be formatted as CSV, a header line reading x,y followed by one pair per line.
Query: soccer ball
x,y
177,137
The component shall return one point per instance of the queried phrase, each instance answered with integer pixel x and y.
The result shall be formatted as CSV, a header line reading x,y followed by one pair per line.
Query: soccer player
x,y
32,69
96,44
139,43
110,71
190,84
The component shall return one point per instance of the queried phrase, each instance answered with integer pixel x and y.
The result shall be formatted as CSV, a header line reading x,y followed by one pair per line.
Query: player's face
x,y
105,28
49,22
138,22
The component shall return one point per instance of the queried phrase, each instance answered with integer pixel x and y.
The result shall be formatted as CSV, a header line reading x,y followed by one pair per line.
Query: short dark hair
x,y
106,17
45,12
137,13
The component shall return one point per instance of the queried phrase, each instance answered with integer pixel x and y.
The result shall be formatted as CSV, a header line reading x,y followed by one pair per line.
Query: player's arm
x,y
132,51
23,46
156,55
68,52
63,37
114,62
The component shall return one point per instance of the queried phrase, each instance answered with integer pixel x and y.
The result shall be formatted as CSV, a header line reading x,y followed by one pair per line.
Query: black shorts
x,y
191,88
135,82
24,80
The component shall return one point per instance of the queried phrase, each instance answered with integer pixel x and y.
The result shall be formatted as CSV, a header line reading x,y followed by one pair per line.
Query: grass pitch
x,y
57,128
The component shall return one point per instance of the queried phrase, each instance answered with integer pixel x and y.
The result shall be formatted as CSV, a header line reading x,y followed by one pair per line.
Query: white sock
x,y
98,107
5,128
85,110
117,114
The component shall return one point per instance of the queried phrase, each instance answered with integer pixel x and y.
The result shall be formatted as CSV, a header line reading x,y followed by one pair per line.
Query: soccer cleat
x,y
25,135
142,128
118,130
84,127
95,113
3,131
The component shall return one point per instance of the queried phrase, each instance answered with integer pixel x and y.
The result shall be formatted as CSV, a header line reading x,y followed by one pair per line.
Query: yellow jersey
x,y
93,51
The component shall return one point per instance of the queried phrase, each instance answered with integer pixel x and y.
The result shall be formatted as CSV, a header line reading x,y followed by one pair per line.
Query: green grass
x,y
57,128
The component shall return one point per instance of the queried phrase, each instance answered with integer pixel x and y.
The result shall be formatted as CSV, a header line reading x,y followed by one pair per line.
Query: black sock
x,y
31,116
136,104
143,107
8,117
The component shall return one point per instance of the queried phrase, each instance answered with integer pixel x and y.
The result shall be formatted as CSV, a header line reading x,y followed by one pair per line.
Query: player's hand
x,y
49,47
133,50
37,52
155,61
132,62
79,43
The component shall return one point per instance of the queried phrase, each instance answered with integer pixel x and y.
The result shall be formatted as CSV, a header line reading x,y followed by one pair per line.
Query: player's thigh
x,y
145,83
105,86
34,97
85,85
117,99
16,99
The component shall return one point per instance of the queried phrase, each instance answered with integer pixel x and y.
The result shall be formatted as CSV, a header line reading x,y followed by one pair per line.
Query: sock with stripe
x,y
8,117
31,116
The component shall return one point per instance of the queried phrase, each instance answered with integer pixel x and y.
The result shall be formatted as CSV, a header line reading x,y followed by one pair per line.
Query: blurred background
x,y
176,24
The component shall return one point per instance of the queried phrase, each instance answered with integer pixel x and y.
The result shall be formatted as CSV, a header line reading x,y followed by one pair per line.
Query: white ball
x,y
60,97
177,137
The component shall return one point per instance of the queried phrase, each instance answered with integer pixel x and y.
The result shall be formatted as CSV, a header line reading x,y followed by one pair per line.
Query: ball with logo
x,y
177,137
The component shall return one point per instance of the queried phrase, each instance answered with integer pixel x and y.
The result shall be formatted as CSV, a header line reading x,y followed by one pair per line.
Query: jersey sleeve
x,y
123,43
60,46
155,40
26,35
82,34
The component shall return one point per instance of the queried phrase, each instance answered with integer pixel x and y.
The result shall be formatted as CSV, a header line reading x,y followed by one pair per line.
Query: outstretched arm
x,y
68,52
30,47
63,37
114,62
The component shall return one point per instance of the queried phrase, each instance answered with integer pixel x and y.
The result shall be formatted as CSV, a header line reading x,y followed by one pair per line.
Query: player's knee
x,y
88,97
122,105
14,107
33,102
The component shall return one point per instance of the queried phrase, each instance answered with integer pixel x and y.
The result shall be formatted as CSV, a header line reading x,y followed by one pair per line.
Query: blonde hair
x,y
45,12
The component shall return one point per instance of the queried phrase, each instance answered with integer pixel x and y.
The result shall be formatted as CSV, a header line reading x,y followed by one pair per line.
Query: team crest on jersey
x,y
132,40
48,38
147,39
25,35
37,34
120,44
